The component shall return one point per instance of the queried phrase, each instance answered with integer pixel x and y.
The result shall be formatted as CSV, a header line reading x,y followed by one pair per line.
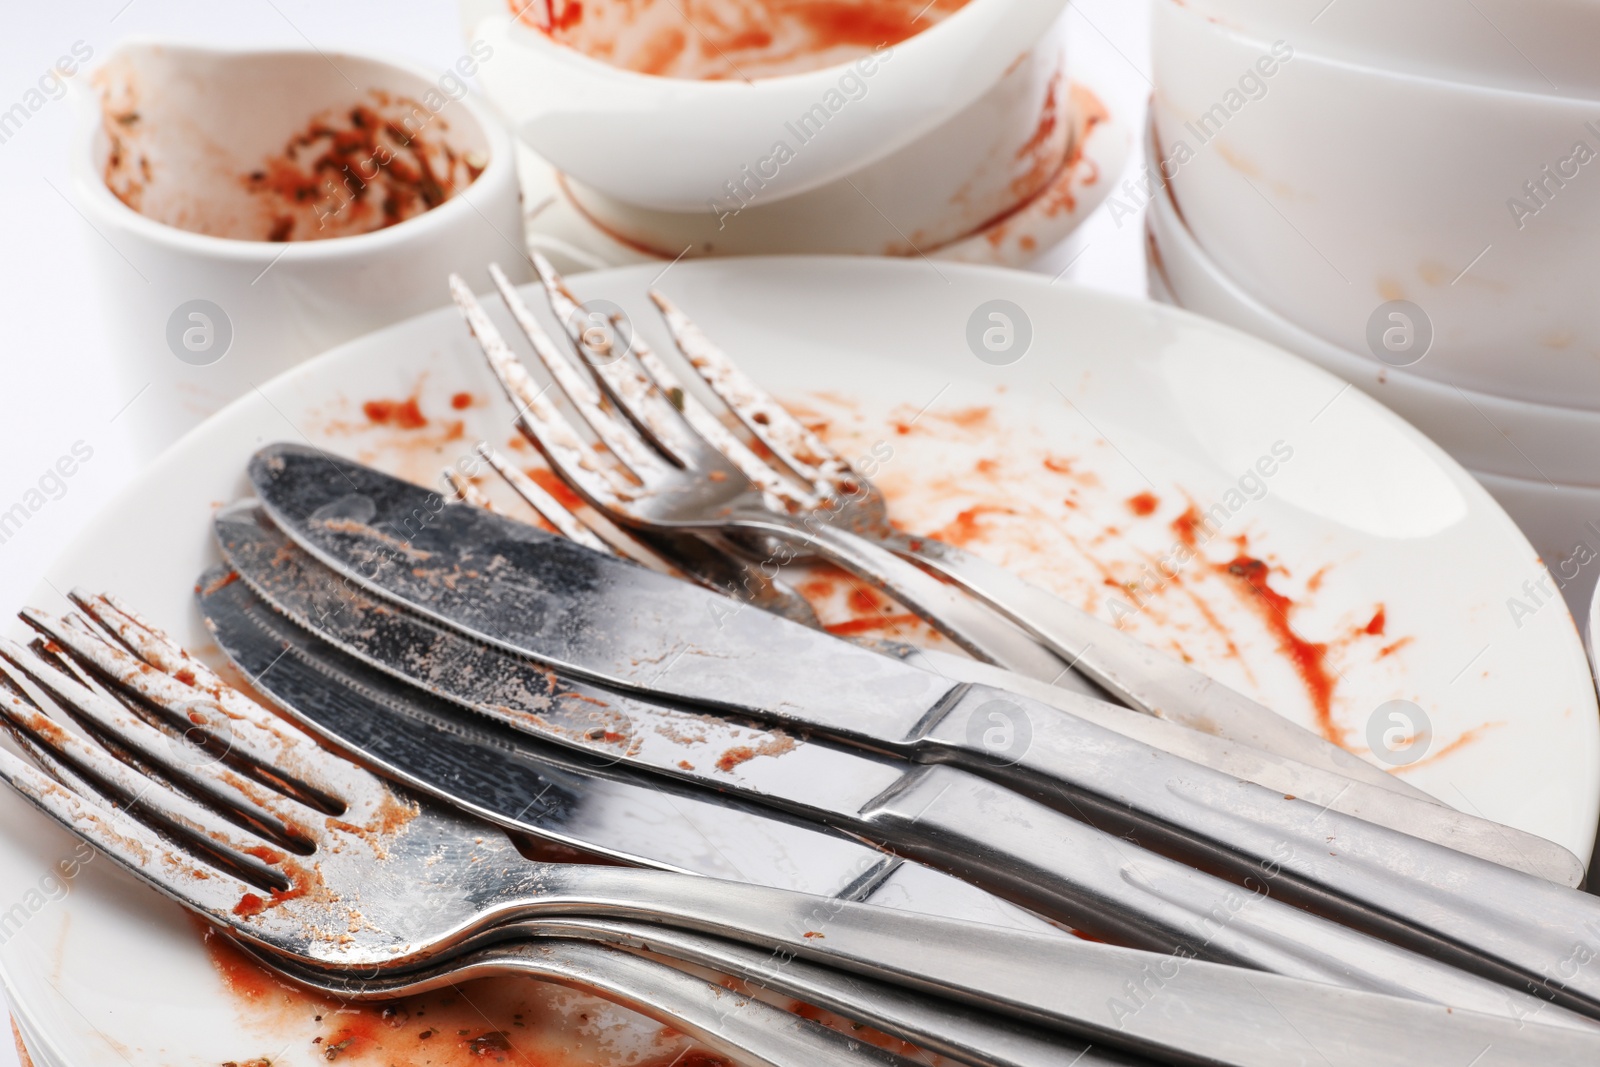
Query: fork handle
x,y
747,1031
1136,674
969,624
949,1029
1209,1011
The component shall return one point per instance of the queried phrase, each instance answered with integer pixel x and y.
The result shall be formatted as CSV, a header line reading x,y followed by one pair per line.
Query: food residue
x,y
489,1021
1378,623
401,414
372,163
1308,657
1143,503
730,39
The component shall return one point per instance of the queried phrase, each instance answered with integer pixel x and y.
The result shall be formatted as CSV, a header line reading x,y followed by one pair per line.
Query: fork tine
x,y
253,734
613,541
181,875
89,768
630,450
534,495
567,453
790,441
652,406
465,491
659,385
707,561
280,816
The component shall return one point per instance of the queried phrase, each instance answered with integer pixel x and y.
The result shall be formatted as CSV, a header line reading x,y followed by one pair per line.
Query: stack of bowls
x,y
1410,198
968,127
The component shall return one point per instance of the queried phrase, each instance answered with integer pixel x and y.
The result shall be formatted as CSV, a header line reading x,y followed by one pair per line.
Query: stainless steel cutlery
x,y
357,888
666,463
596,617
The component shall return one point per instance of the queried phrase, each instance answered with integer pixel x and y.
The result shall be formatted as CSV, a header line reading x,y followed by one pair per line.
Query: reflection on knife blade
x,y
559,795
945,816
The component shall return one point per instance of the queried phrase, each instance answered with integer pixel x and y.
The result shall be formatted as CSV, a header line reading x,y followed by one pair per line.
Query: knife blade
x,y
562,796
611,621
940,815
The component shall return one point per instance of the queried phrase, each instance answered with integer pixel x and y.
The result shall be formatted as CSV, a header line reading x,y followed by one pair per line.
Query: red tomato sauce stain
x,y
1467,738
1058,465
1308,657
401,414
461,401
1143,504
1380,620
1186,524
966,527
551,482
874,624
1395,646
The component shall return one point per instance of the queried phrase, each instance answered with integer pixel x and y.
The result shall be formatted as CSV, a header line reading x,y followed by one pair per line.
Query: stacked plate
x,y
1412,210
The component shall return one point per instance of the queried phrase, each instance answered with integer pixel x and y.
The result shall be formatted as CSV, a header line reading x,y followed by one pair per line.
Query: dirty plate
x,y
1210,493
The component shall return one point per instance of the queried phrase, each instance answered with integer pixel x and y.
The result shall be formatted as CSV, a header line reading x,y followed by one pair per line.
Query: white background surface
x,y
54,386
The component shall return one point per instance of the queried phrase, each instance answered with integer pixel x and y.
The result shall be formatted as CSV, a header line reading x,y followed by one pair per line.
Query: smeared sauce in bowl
x,y
278,158
730,39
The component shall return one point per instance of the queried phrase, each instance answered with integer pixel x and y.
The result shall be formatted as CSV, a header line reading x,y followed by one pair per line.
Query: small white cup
x,y
198,320
672,144
1334,193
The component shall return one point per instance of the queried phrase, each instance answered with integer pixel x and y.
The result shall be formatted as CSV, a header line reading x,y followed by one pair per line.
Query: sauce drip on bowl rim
x,y
730,39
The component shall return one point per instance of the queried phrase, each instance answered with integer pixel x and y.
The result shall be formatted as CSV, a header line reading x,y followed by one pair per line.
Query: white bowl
x,y
1537,46
1001,150
1485,433
200,319
1341,188
673,144
573,238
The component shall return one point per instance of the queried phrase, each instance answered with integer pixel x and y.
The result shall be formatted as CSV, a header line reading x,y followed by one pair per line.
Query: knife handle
x,y
1112,889
1497,922
1136,674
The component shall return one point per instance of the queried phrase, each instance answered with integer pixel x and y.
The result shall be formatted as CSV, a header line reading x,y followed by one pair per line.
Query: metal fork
x,y
235,878
661,473
689,559
834,494
385,881
665,463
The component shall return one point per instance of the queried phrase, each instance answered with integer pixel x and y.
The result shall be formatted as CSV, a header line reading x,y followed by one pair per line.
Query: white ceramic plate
x,y
1071,464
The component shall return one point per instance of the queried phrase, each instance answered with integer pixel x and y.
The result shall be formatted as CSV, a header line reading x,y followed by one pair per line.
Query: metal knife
x,y
590,804
590,614
941,815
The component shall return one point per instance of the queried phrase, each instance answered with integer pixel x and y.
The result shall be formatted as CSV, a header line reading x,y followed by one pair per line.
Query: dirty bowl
x,y
237,243
677,144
